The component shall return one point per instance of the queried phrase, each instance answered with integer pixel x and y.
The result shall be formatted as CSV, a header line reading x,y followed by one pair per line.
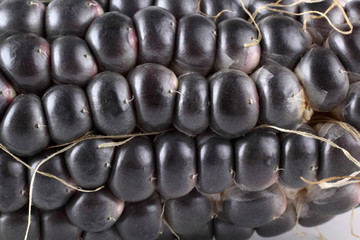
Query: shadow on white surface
x,y
337,229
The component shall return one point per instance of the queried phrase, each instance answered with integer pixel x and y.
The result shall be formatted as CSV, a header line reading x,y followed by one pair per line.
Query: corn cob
x,y
71,67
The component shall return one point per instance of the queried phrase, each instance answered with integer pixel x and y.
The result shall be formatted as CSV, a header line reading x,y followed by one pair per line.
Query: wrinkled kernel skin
x,y
133,172
113,41
234,103
195,45
192,112
153,87
55,225
23,128
141,220
176,164
13,184
68,17
324,79
25,60
156,30
67,111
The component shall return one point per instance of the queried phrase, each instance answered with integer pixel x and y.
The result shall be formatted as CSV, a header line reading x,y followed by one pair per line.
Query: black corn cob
x,y
213,121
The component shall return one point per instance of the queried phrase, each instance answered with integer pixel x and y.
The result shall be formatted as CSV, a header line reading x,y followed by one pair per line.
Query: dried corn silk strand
x,y
277,4
115,144
69,146
318,14
321,236
335,3
39,172
31,188
257,41
215,17
325,184
350,129
73,143
344,180
166,223
90,136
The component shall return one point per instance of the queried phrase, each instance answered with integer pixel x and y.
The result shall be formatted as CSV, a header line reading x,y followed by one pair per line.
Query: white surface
x,y
337,229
